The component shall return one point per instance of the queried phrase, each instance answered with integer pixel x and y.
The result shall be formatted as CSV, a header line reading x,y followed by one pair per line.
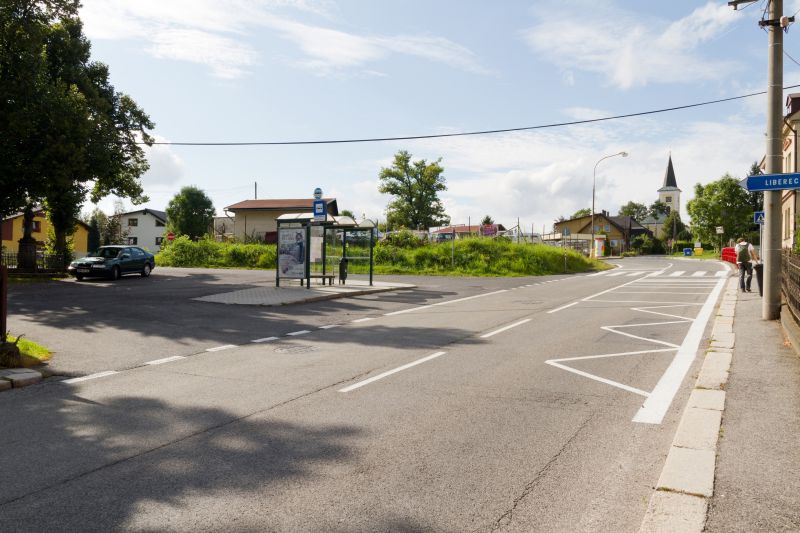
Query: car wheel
x,y
146,270
79,278
115,273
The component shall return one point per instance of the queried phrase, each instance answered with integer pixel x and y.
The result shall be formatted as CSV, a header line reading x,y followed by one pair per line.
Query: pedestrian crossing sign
x,y
758,217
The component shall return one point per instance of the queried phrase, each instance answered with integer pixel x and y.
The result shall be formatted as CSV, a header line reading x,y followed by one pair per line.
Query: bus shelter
x,y
299,245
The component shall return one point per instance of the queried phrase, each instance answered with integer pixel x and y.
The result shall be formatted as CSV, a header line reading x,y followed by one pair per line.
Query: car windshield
x,y
107,253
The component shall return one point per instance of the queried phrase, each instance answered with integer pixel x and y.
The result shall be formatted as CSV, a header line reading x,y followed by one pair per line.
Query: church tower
x,y
669,193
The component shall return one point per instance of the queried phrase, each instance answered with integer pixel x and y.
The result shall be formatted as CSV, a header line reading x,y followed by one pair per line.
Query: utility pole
x,y
255,190
771,241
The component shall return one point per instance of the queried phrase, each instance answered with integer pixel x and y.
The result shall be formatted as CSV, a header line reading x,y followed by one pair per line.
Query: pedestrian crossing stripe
x,y
676,274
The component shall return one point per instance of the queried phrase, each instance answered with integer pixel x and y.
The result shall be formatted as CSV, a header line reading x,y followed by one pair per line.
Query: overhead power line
x,y
468,133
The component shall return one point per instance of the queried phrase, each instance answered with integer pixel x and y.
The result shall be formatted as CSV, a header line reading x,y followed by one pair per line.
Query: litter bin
x,y
759,268
343,270
687,252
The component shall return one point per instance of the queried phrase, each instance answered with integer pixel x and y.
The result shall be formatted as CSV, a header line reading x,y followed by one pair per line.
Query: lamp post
x,y
594,181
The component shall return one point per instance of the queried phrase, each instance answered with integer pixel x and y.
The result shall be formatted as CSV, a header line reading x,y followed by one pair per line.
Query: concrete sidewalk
x,y
757,481
292,293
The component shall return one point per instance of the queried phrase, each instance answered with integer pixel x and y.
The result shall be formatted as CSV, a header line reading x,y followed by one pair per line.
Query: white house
x,y
144,228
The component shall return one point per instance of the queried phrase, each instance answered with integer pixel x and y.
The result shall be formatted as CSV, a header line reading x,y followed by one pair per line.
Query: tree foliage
x,y
73,134
720,203
415,187
190,213
657,209
585,212
634,209
673,225
487,221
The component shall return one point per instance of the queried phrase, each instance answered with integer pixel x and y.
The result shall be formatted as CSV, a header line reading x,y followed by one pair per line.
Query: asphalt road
x,y
472,404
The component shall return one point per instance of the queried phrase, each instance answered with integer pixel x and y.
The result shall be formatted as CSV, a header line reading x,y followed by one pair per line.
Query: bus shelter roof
x,y
337,222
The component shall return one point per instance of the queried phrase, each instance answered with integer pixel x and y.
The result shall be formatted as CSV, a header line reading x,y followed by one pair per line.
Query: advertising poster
x,y
292,253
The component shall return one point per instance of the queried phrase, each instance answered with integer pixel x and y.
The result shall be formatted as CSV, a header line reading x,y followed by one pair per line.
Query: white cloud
x,y
630,49
218,34
166,167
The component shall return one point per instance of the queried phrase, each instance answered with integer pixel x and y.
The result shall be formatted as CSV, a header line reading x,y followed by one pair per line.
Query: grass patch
x,y
32,353
707,254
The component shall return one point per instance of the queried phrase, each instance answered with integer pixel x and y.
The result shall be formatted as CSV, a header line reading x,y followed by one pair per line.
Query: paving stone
x,y
725,338
669,512
715,379
707,399
721,329
699,429
721,360
722,344
689,471
20,377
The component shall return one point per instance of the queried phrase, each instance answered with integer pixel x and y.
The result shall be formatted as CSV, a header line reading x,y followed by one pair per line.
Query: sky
x,y
299,70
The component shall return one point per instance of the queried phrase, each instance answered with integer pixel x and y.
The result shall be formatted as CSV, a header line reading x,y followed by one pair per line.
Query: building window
x,y
159,224
159,240
133,240
607,227
668,199
37,226
133,222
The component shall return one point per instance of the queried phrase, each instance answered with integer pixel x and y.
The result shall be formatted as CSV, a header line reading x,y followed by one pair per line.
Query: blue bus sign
x,y
320,211
773,182
758,217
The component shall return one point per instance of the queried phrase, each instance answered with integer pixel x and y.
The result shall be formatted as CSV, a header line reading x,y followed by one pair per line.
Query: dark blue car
x,y
112,262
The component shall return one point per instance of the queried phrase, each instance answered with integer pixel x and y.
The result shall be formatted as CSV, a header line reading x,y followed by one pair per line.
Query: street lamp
x,y
594,180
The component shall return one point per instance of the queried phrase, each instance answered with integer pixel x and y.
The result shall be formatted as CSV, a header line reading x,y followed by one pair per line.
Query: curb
x,y
681,496
336,295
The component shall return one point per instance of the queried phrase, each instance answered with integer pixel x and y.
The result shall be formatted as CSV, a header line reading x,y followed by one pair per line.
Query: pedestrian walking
x,y
745,256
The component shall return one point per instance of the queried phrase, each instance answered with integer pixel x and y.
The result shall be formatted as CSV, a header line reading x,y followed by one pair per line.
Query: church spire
x,y
669,175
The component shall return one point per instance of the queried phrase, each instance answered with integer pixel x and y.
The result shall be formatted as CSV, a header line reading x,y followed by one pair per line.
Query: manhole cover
x,y
294,348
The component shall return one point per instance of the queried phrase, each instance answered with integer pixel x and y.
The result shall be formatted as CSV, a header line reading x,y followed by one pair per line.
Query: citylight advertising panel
x,y
292,252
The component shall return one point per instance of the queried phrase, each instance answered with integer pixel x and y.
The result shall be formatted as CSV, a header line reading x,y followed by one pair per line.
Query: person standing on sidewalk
x,y
745,254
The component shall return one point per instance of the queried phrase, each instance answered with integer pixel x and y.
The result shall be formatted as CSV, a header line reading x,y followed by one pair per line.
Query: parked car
x,y
113,262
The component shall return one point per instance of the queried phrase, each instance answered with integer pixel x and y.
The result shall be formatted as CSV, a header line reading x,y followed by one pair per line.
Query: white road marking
x,y
656,405
677,273
90,376
265,339
557,309
699,274
634,274
412,309
220,348
722,274
390,372
329,326
613,274
365,319
295,333
598,378
505,328
165,360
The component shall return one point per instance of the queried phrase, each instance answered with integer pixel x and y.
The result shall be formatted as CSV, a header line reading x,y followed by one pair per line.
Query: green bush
x,y
183,252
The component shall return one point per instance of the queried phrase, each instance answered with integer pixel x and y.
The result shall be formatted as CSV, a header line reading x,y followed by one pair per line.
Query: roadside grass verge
x,y
32,353
467,257
707,254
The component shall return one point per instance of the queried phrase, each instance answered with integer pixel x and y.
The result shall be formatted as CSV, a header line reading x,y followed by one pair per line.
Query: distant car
x,y
113,262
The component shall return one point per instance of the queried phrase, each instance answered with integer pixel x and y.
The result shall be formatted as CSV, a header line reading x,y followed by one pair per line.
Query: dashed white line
x,y
329,326
265,339
721,274
412,309
677,273
699,274
390,372
165,360
220,348
90,376
557,309
301,332
505,328
365,319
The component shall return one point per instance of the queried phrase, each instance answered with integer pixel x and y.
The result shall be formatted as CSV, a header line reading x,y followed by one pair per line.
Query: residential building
x,y
460,232
12,233
618,231
255,220
144,228
789,198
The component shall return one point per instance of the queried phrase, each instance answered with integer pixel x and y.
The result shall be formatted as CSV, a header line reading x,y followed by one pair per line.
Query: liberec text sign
x,y
773,182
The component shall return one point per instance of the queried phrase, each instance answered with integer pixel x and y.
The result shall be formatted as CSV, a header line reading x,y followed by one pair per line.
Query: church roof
x,y
669,178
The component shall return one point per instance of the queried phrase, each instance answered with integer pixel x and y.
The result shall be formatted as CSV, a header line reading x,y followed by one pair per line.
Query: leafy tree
x,y
347,213
74,134
93,240
657,209
585,212
720,203
634,209
415,187
190,213
756,197
487,221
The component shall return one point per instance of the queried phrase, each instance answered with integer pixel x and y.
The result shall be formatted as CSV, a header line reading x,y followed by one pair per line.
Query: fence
x,y
790,281
44,262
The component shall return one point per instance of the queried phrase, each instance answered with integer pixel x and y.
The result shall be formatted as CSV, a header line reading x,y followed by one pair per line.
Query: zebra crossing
x,y
676,274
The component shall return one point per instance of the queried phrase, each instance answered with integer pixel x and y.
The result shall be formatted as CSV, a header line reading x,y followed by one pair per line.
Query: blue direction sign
x,y
772,182
758,217
320,211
